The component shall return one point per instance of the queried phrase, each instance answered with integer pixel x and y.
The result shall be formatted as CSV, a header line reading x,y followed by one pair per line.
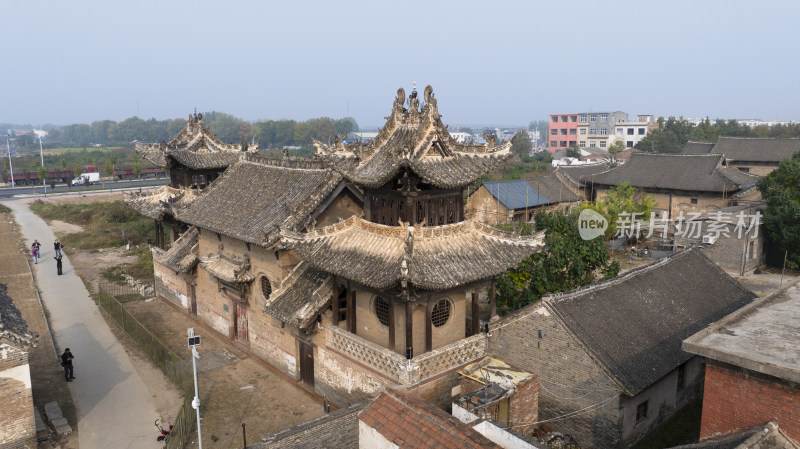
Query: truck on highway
x,y
86,179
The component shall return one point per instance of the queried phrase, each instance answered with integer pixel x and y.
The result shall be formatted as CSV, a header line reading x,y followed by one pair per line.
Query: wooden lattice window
x,y
440,313
382,310
266,287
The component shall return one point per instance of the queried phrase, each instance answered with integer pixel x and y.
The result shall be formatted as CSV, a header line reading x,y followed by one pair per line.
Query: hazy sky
x,y
489,62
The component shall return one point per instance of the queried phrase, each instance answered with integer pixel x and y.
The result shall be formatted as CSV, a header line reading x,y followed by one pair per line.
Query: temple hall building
x,y
352,271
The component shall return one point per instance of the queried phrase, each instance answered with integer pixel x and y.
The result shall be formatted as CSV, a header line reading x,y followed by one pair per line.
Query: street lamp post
x,y
41,154
10,166
194,342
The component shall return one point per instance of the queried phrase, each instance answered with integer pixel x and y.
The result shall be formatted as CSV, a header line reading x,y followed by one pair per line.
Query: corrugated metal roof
x,y
515,194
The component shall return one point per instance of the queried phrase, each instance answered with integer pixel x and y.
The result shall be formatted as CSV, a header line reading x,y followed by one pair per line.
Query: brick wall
x,y
736,399
171,286
523,407
569,380
17,425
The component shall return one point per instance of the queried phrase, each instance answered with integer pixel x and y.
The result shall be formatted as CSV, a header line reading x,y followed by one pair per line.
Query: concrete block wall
x,y
737,399
569,379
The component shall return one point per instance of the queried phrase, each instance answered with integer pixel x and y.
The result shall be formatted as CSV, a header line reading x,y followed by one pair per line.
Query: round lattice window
x,y
266,287
382,310
440,313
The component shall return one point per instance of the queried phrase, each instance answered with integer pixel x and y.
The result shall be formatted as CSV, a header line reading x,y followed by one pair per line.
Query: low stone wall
x,y
374,356
448,357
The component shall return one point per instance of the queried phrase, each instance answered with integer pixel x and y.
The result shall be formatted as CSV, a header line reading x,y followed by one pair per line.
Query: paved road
x,y
115,408
62,188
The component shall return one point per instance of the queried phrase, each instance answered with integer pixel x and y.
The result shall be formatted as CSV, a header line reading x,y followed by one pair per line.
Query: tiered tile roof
x,y
435,258
256,196
158,202
194,147
414,139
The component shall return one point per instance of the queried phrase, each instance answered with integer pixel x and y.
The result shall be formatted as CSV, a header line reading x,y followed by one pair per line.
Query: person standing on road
x,y
66,362
58,264
58,246
35,254
37,245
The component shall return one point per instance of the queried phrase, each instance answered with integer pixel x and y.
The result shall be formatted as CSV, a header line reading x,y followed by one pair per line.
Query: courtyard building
x,y
608,356
680,184
756,155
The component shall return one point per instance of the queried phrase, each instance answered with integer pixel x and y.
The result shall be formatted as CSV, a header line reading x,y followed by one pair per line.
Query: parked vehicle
x,y
86,178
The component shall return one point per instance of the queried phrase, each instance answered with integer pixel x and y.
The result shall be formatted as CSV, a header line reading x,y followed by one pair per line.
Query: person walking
x,y
35,254
66,362
58,246
58,264
37,245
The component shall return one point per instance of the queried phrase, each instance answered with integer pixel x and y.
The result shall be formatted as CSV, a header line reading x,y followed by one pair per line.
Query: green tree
x,y
225,126
574,151
137,169
77,171
615,148
521,145
42,174
346,125
570,262
108,170
623,201
781,190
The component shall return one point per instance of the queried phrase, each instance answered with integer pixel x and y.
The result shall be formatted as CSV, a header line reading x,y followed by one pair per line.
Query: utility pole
x,y
41,154
10,166
194,342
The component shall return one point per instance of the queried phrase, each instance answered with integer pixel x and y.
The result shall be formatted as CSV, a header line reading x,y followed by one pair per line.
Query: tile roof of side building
x,y
662,304
686,172
416,139
13,327
757,149
692,147
762,337
257,196
409,421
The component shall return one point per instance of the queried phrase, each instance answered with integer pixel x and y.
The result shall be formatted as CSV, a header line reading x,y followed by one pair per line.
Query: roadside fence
x,y
159,353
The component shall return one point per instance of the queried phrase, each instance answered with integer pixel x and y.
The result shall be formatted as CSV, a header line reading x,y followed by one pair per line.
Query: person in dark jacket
x,y
66,362
58,264
58,246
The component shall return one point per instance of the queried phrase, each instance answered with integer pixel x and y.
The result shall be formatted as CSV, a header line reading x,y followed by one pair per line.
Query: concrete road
x,y
62,188
115,408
